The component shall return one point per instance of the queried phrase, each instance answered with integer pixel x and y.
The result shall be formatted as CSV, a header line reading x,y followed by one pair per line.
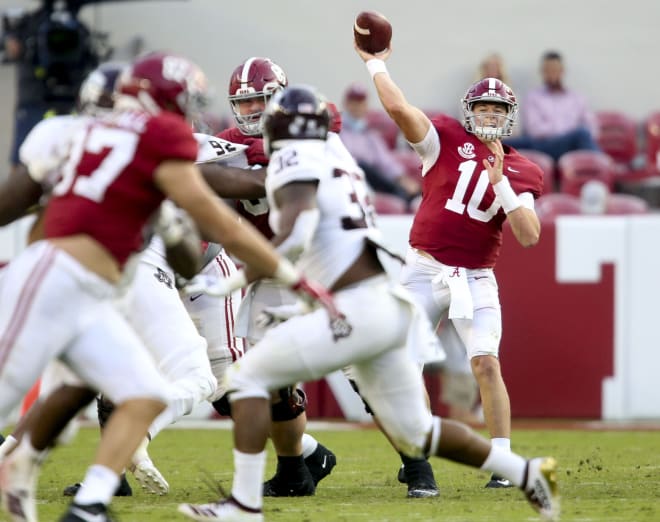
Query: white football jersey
x,y
346,216
47,147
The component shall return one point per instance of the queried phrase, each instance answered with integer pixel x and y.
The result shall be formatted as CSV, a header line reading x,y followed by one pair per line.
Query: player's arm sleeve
x,y
428,149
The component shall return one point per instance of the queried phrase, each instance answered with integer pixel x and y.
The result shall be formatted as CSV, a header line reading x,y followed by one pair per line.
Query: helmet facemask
x,y
250,124
490,126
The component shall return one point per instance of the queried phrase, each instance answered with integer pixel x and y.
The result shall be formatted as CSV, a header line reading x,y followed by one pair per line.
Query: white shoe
x,y
224,511
18,483
541,488
149,478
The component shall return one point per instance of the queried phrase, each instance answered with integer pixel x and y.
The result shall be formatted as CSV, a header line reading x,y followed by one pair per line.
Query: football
x,y
372,32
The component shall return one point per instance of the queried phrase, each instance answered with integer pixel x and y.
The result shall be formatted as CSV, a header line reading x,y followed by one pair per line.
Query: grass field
x,y
605,476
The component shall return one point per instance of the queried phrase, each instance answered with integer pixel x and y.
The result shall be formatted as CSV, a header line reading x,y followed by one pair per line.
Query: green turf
x,y
613,476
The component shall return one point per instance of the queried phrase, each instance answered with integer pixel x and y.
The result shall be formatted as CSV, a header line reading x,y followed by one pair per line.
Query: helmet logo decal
x,y
279,73
467,151
175,68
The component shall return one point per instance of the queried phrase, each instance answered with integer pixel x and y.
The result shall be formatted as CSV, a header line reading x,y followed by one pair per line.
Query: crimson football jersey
x,y
107,189
255,210
459,221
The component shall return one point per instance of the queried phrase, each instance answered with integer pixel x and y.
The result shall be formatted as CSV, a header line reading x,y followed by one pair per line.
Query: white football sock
x,y
8,445
249,469
505,464
501,442
309,445
98,486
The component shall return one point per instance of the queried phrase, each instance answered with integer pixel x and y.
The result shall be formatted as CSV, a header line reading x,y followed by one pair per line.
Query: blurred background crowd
x,y
589,110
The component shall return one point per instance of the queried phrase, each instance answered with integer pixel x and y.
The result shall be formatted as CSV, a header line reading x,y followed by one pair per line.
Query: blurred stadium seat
x,y
550,206
380,121
652,136
579,166
618,138
547,165
618,204
388,204
411,161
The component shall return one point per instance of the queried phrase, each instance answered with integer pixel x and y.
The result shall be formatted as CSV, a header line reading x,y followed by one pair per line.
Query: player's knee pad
x,y
367,408
222,405
104,408
292,404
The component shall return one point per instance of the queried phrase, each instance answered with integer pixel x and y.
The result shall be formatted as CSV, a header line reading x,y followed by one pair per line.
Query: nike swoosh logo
x,y
325,460
480,277
513,170
193,297
88,517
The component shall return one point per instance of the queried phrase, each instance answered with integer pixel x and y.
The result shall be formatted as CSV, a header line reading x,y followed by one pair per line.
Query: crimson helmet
x,y
164,82
254,78
295,113
96,93
494,91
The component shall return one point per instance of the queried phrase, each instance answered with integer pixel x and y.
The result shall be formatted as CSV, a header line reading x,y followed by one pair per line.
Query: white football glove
x,y
272,315
214,286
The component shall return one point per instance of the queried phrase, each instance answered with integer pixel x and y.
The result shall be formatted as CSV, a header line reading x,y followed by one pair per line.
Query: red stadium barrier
x,y
554,355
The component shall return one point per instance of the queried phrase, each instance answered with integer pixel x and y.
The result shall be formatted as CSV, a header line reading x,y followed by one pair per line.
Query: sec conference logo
x,y
467,151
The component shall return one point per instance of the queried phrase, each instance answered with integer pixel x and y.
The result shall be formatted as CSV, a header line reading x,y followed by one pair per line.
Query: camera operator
x,y
53,52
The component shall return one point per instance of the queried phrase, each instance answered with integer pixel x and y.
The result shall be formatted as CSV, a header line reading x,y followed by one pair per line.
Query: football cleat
x,y
498,482
149,478
228,510
418,475
18,483
320,463
123,490
541,488
86,513
292,479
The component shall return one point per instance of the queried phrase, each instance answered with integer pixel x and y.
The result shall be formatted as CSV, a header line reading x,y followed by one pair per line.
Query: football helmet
x,y
96,93
255,78
164,82
295,113
490,90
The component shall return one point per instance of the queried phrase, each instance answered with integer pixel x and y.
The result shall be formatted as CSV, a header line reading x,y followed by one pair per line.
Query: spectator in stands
x,y
384,172
593,197
555,119
492,66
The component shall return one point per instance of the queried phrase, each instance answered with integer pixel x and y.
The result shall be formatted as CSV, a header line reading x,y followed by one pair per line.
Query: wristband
x,y
507,197
375,66
286,273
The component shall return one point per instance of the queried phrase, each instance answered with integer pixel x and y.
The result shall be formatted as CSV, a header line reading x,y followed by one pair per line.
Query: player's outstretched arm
x,y
183,184
234,182
414,124
18,193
